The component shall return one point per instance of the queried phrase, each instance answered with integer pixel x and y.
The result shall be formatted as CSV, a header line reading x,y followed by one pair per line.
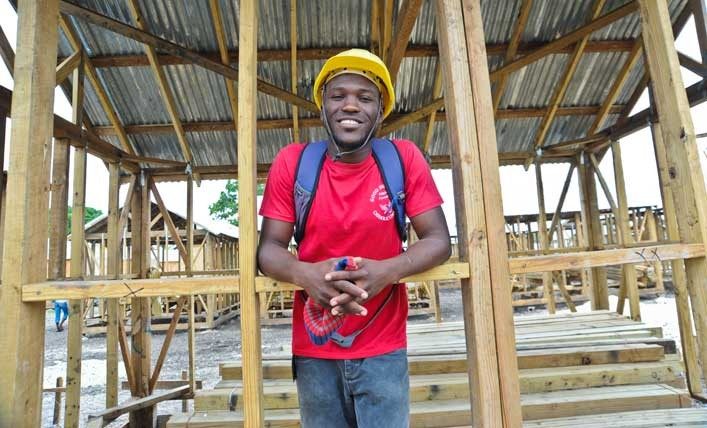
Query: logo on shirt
x,y
382,207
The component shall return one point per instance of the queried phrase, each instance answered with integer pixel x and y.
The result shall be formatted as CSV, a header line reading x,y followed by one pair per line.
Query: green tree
x,y
88,215
226,207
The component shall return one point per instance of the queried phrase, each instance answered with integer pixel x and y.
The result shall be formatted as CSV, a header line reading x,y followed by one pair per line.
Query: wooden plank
x,y
293,67
140,313
168,220
699,10
133,405
248,240
588,259
683,164
191,335
114,261
432,119
72,410
125,208
548,292
7,54
487,401
522,19
629,276
563,194
323,53
58,211
165,90
393,125
404,23
638,419
682,303
174,49
566,40
604,185
167,341
282,393
25,230
457,363
457,413
67,67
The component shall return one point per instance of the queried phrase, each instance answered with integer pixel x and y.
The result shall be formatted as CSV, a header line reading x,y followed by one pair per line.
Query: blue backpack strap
x,y
390,165
306,179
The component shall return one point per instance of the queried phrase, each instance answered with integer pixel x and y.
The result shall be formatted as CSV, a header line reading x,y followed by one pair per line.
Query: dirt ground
x,y
224,344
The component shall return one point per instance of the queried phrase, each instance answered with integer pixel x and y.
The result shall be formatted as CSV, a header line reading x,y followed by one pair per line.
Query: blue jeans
x,y
367,393
58,309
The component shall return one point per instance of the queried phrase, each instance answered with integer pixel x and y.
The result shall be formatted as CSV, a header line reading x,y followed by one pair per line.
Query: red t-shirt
x,y
351,215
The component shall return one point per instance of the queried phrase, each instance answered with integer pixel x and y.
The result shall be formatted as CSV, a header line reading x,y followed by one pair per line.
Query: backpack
x,y
309,168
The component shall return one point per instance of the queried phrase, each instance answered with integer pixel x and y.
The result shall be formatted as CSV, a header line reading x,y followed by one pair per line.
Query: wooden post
x,y
247,180
652,236
25,229
140,312
114,261
682,163
682,302
592,230
582,242
73,353
3,188
188,267
59,209
57,400
548,290
630,283
493,370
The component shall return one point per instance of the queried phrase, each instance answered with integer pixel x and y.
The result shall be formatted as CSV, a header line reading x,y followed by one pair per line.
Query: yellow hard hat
x,y
362,62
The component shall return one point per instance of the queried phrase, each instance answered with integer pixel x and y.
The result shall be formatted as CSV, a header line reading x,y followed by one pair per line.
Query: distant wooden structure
x,y
521,82
216,254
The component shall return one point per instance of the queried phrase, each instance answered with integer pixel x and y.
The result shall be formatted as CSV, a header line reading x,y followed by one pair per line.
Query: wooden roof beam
x,y
411,117
224,57
616,87
164,87
7,54
174,49
305,54
315,122
92,75
432,118
407,15
561,89
575,36
512,51
293,67
68,66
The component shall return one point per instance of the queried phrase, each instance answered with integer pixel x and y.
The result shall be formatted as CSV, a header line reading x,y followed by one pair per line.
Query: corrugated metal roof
x,y
201,95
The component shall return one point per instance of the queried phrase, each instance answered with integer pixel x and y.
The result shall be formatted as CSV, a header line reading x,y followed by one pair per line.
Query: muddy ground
x,y
224,344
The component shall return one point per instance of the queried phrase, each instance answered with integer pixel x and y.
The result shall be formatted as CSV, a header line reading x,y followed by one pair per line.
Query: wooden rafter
x,y
407,15
512,51
101,93
386,25
375,30
224,58
67,66
174,49
556,45
304,54
164,87
564,83
412,117
617,86
436,94
692,64
7,54
224,126
293,67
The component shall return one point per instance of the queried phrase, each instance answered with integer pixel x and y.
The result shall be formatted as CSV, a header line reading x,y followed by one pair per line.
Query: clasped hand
x,y
345,292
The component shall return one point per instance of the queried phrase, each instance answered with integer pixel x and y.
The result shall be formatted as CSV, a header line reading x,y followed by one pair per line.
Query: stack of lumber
x,y
570,365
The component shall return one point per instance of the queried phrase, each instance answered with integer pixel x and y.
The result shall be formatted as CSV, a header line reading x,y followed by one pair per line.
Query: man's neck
x,y
354,157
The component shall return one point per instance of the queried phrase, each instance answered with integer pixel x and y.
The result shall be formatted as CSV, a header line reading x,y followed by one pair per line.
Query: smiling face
x,y
351,104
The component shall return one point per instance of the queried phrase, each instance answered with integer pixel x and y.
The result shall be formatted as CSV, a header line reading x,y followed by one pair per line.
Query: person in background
x,y
61,306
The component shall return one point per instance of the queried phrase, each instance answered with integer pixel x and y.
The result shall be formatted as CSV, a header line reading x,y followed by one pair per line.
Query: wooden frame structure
x,y
484,266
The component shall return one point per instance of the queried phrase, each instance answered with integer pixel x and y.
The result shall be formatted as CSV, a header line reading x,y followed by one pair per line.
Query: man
x,y
61,307
361,380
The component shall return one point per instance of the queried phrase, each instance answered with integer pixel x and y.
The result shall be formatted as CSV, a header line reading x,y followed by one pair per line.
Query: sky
x,y
518,186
